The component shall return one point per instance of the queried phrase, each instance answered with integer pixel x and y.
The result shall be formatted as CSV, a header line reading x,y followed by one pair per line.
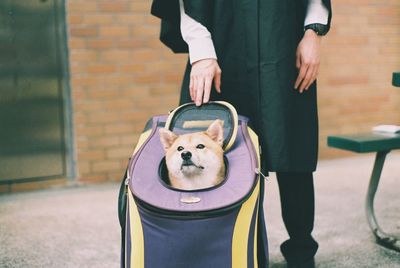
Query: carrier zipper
x,y
128,177
127,183
258,171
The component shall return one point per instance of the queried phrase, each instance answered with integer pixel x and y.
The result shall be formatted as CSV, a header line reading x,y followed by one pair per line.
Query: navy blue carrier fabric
x,y
194,243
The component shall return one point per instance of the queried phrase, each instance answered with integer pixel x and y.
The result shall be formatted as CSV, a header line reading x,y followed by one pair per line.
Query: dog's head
x,y
193,154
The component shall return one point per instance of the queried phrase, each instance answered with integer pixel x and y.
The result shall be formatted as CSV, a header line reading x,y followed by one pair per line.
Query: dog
x,y
195,160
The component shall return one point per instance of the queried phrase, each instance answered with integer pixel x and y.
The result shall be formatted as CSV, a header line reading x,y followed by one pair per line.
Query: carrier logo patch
x,y
190,199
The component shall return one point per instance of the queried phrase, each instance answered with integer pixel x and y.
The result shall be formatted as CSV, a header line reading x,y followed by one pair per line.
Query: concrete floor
x,y
78,227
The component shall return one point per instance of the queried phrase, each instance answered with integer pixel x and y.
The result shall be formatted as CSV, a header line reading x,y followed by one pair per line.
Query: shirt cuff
x,y
316,13
200,49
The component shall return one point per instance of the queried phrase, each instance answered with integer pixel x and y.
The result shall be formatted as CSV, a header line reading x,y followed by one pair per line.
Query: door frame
x,y
69,156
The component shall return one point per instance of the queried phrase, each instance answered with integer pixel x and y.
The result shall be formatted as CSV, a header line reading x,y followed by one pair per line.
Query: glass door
x,y
35,138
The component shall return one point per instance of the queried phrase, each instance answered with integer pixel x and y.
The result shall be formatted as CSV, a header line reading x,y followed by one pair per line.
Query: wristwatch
x,y
318,28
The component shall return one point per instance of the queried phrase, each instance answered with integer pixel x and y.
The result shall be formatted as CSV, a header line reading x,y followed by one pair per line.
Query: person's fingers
x,y
199,90
207,89
302,74
307,78
191,87
313,76
217,80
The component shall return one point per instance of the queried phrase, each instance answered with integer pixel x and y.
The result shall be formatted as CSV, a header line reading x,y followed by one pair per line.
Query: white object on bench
x,y
386,128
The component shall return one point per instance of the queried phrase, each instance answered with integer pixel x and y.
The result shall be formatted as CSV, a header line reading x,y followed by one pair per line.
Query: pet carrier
x,y
221,226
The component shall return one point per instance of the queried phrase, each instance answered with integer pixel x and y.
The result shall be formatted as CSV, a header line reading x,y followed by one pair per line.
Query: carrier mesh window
x,y
194,119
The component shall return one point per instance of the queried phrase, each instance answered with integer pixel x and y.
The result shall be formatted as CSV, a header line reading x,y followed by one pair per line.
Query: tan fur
x,y
208,169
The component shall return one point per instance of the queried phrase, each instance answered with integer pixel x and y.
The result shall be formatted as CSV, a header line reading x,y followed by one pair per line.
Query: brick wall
x,y
121,75
359,56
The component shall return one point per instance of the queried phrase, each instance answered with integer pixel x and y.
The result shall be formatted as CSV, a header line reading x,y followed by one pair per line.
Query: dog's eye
x,y
180,148
200,146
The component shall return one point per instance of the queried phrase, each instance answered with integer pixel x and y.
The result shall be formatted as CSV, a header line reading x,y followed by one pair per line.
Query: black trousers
x,y
297,202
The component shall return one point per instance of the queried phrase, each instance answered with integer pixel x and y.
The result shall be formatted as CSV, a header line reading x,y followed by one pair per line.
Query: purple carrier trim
x,y
146,184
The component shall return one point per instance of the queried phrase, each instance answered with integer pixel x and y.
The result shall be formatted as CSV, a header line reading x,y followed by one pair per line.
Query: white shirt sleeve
x,y
316,13
197,37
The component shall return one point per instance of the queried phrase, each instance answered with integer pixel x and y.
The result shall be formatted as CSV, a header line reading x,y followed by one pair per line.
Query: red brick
x,y
100,44
97,154
86,56
77,68
104,142
165,89
147,31
102,117
80,118
118,128
140,6
83,167
102,93
74,19
83,31
117,104
101,68
118,175
98,19
120,153
93,178
131,43
76,43
132,68
84,81
339,81
118,81
87,105
131,139
114,31
113,6
90,130
131,18
116,55
146,78
75,7
137,92
108,165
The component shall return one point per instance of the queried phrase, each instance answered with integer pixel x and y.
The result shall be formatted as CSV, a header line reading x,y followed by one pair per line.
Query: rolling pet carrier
x,y
221,226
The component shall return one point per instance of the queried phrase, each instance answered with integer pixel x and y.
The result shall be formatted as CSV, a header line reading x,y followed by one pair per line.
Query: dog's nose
x,y
186,155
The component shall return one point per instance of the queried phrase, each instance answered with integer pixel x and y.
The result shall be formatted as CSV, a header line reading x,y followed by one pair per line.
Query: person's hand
x,y
307,60
201,77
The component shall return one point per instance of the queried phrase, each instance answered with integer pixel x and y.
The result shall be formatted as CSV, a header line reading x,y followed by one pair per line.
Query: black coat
x,y
256,42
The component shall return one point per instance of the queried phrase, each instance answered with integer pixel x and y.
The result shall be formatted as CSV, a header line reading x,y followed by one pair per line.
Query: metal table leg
x,y
382,238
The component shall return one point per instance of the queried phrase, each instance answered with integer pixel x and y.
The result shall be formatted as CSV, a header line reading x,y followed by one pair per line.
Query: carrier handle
x,y
227,105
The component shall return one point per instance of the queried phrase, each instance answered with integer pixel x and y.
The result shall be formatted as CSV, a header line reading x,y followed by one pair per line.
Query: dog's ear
x,y
167,138
216,131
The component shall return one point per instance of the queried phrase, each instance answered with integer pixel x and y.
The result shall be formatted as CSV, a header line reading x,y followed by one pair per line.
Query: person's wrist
x,y
312,34
205,59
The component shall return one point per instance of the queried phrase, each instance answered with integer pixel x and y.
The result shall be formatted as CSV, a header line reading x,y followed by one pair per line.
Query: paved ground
x,y
78,227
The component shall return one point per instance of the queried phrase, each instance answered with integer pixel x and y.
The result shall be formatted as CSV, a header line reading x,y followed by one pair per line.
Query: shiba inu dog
x,y
195,160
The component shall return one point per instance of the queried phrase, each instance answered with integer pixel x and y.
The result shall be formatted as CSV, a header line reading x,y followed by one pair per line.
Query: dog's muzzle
x,y
187,161
186,155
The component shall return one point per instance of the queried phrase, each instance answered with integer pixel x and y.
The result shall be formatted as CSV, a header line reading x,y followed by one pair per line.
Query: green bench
x,y
381,144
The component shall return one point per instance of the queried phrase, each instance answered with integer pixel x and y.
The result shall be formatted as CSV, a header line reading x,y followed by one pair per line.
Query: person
x,y
263,57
